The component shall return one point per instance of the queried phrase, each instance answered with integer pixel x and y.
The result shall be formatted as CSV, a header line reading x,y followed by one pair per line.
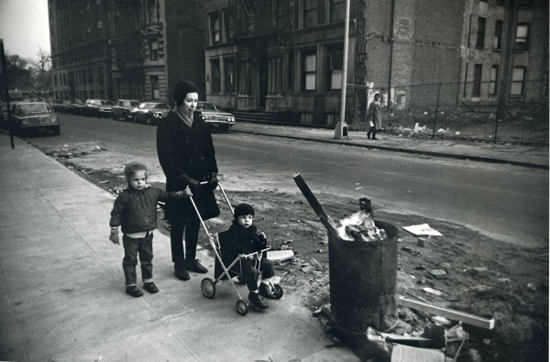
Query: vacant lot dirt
x,y
513,291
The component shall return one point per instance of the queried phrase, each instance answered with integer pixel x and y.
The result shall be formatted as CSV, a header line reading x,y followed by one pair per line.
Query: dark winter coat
x,y
187,153
136,210
238,240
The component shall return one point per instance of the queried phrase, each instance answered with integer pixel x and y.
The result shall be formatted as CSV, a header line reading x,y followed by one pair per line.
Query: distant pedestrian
x,y
244,238
186,154
374,117
135,211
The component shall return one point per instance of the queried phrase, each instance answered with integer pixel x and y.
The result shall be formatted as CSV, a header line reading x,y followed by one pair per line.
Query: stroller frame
x,y
208,285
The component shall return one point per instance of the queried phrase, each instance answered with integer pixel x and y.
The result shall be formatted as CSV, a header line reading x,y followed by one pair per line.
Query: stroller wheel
x,y
278,291
242,308
208,288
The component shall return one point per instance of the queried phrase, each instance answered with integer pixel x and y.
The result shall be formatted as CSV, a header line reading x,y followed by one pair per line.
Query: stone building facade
x,y
285,56
136,49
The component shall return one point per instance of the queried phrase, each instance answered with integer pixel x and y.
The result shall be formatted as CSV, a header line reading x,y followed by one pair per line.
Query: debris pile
x,y
360,227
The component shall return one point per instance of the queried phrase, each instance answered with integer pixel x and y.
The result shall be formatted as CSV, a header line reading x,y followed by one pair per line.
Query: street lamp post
x,y
341,129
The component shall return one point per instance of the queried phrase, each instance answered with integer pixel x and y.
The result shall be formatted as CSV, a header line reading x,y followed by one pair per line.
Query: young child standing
x,y
244,238
135,211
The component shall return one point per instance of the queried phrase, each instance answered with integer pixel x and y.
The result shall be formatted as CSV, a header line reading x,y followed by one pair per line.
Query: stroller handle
x,y
256,252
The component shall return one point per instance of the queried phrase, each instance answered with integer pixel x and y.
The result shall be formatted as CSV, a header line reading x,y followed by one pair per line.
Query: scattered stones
x,y
446,267
479,271
307,268
420,267
439,274
532,287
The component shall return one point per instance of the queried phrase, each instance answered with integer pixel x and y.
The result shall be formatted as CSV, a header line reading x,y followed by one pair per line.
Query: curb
x,y
402,150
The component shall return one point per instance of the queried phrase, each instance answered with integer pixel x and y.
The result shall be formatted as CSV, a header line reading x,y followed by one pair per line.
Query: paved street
x,y
509,203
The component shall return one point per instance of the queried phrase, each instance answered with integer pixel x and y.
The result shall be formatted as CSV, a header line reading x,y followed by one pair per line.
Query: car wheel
x,y
149,121
57,130
224,127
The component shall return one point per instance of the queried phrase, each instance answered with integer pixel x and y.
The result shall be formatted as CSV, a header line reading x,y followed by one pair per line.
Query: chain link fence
x,y
440,110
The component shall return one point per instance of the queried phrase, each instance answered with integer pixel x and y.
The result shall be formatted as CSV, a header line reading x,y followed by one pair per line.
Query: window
x,y
310,13
229,75
89,29
480,41
153,50
90,76
476,90
229,25
215,28
309,68
337,10
55,79
155,93
216,77
497,40
336,57
518,81
99,24
522,37
493,85
100,77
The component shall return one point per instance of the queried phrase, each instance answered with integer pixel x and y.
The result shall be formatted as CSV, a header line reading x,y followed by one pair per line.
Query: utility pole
x,y
4,75
342,127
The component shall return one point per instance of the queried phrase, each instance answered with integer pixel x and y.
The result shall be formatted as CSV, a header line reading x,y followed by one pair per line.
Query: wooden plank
x,y
402,353
448,313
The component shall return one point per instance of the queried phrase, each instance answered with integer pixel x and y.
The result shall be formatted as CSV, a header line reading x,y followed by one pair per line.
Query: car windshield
x,y
134,104
31,108
162,106
107,103
149,105
206,107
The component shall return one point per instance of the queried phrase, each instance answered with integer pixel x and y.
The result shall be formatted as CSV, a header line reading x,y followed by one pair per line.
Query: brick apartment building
x,y
114,49
286,56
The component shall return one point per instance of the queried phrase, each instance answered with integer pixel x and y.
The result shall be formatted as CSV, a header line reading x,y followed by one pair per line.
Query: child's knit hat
x,y
243,209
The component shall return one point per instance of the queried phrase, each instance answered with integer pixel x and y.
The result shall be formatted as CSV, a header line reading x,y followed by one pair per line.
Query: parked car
x,y
33,115
98,108
215,118
57,106
150,112
121,110
75,107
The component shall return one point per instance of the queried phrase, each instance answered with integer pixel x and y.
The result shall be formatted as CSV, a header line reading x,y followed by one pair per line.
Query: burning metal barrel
x,y
362,268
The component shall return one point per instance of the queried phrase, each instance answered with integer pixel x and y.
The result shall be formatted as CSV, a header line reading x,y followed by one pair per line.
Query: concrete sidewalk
x,y
519,155
62,286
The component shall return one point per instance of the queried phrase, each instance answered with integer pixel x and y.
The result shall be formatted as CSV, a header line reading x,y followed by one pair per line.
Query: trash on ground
x,y
422,229
280,255
432,291
466,318
404,353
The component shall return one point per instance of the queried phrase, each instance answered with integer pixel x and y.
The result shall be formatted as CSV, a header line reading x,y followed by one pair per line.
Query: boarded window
x,y
493,85
476,90
518,81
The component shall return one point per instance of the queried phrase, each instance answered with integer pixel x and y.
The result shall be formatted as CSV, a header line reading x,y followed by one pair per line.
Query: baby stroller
x,y
222,272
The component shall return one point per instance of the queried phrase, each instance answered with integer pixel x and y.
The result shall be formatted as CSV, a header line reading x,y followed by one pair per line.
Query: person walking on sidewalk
x,y
187,157
374,117
135,211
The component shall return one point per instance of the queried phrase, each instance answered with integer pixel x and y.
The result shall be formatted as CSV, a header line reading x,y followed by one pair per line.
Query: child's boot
x,y
257,300
267,291
150,287
133,291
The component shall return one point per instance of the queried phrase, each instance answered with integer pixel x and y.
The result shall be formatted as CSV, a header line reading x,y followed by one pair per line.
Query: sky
x,y
24,27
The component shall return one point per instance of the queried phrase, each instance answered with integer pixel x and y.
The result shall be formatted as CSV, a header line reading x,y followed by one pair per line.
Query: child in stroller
x,y
244,238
